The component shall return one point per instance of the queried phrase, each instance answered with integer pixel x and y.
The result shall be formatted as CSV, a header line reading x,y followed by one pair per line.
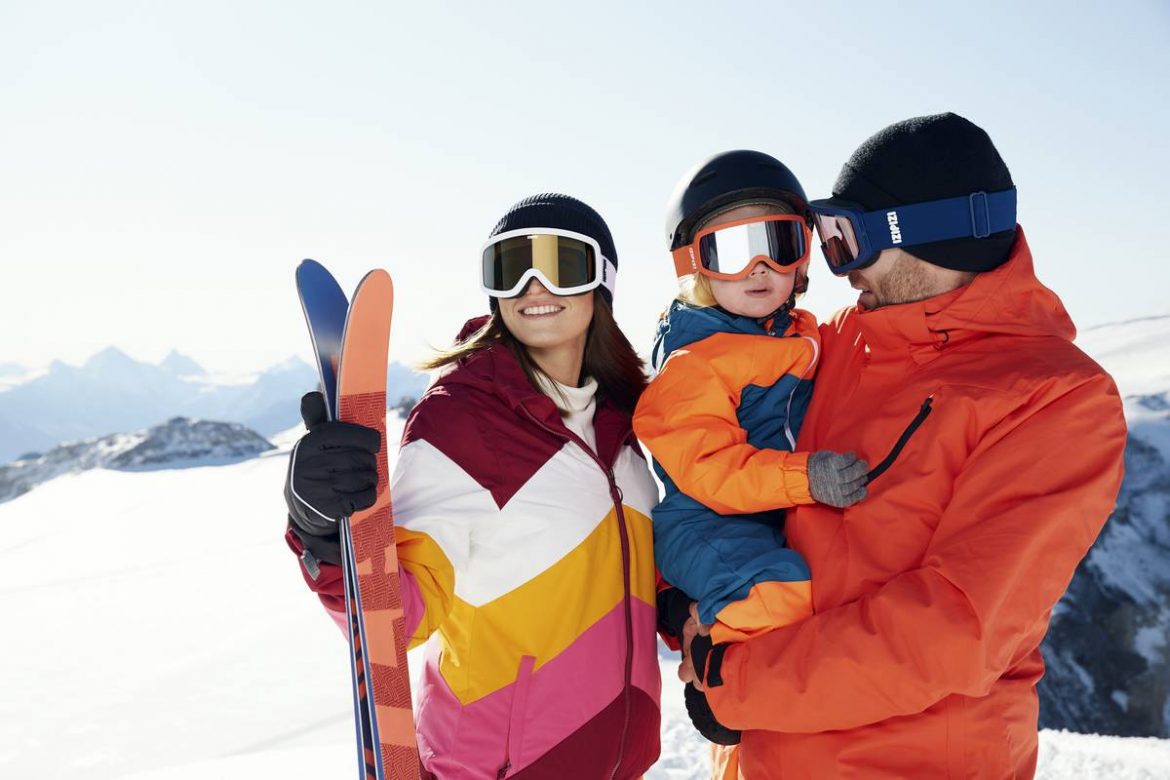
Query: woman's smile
x,y
541,310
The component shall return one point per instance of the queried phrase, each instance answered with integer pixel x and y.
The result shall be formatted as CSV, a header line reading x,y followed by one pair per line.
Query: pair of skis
x,y
351,345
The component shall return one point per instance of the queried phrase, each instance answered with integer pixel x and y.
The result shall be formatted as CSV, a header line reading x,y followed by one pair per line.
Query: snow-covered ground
x,y
1062,756
157,628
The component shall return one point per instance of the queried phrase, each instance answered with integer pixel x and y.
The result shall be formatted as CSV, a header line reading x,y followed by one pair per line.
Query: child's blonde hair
x,y
695,290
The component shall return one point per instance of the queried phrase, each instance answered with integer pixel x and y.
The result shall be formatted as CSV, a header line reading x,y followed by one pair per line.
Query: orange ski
x,y
368,538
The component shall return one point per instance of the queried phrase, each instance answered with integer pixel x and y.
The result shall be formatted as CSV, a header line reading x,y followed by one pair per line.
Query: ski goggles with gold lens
x,y
566,263
732,250
852,237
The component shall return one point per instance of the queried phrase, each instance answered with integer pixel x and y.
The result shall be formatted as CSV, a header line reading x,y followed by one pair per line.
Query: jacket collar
x,y
684,324
1008,300
496,370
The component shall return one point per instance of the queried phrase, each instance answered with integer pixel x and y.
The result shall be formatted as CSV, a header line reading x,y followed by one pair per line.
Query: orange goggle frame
x,y
732,249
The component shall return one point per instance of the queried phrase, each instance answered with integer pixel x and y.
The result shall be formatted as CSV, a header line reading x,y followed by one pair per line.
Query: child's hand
x,y
691,629
835,479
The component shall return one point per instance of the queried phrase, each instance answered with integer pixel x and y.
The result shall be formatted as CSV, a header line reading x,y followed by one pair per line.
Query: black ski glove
x,y
703,719
674,609
707,660
333,471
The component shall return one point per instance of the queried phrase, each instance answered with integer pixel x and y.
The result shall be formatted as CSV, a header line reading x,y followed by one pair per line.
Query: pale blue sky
x,y
163,166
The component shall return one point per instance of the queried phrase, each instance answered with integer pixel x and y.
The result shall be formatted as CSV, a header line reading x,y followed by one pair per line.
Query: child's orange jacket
x,y
721,418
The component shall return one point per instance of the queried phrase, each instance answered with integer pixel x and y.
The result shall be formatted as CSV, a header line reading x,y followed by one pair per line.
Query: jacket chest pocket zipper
x,y
923,413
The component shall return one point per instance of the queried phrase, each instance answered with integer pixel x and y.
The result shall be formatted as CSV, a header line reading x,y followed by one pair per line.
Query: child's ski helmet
x,y
723,179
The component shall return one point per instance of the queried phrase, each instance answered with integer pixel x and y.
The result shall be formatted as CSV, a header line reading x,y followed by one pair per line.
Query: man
x,y
997,447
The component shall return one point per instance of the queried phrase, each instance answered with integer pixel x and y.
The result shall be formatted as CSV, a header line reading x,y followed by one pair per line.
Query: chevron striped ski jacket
x,y
530,556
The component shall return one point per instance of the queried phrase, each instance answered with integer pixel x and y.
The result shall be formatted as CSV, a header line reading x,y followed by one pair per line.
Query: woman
x,y
522,506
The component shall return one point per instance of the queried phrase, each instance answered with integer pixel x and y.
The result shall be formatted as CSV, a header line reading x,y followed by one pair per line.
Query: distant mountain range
x,y
112,392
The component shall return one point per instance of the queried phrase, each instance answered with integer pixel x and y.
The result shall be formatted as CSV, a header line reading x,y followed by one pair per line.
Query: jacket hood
x,y
1009,300
684,324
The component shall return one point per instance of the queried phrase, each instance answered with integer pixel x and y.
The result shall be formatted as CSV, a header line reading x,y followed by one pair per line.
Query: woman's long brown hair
x,y
609,356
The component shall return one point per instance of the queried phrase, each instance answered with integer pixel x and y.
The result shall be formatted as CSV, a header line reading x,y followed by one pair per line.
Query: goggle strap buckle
x,y
980,215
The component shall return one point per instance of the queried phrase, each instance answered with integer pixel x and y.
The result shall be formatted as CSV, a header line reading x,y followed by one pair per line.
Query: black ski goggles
x,y
731,250
566,263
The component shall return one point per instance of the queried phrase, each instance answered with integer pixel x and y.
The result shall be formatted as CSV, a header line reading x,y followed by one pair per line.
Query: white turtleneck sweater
x,y
577,405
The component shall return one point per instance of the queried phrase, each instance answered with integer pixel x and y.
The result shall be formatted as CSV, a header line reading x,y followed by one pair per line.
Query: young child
x,y
735,364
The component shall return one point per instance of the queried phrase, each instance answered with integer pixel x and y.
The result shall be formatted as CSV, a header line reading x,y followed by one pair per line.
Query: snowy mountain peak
x,y
288,365
113,392
109,359
177,443
178,364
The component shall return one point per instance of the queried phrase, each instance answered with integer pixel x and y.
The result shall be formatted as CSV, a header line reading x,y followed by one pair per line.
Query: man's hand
x,y
691,629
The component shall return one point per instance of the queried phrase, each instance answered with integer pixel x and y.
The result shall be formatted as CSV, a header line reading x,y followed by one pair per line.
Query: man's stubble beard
x,y
906,282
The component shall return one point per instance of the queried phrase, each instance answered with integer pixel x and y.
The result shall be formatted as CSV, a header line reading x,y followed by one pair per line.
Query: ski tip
x,y
310,273
377,273
306,267
378,278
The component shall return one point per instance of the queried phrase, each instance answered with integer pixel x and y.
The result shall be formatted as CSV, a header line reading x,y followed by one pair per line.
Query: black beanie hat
x,y
931,158
551,210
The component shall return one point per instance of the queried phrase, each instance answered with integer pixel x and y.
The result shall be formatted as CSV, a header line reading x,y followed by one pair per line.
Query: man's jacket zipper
x,y
923,413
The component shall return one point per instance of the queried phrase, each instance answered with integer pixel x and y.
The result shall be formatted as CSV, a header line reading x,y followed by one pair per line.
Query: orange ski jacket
x,y
932,595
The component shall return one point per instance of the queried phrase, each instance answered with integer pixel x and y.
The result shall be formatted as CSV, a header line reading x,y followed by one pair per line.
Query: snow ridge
x,y
177,443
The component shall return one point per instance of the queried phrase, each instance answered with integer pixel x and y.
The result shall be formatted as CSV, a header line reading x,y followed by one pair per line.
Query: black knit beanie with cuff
x,y
931,158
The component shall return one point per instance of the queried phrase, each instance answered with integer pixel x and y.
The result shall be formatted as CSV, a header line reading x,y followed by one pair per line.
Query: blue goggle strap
x,y
977,215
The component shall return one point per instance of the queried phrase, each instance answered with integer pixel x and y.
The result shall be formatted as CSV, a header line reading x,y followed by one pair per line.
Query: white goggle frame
x,y
605,273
